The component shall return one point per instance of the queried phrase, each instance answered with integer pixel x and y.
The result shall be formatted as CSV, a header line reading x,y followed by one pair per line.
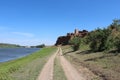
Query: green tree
x,y
40,46
113,39
75,42
98,39
117,41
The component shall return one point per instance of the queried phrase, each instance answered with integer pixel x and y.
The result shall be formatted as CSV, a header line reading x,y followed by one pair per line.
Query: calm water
x,y
7,54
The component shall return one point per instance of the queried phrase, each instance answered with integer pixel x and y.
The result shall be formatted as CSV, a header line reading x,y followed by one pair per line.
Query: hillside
x,y
98,51
104,65
64,40
6,45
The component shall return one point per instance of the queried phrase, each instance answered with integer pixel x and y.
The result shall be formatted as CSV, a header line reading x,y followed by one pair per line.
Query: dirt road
x,y
47,71
70,72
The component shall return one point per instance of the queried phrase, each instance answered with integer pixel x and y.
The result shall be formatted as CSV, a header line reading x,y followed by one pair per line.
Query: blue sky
x,y
32,22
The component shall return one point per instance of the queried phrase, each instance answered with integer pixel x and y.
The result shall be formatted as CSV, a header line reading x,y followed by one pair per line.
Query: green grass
x,y
84,47
26,68
58,71
105,65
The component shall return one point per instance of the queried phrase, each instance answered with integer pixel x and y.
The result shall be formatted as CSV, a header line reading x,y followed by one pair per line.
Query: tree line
x,y
100,39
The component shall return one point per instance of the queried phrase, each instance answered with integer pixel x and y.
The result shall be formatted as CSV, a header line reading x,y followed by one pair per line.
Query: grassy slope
x,y
26,68
102,64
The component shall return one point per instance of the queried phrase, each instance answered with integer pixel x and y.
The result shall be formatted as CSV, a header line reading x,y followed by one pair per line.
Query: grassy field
x,y
58,71
104,65
26,68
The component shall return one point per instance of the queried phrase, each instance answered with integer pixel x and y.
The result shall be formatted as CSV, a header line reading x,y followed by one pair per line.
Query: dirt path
x,y
70,72
47,71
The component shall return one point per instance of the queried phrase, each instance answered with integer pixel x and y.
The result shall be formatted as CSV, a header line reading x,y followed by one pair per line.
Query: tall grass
x,y
11,67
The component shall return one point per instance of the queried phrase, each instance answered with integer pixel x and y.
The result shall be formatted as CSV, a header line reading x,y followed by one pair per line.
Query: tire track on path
x,y
47,71
70,72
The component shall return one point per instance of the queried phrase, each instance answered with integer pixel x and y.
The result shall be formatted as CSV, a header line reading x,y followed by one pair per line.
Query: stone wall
x,y
64,40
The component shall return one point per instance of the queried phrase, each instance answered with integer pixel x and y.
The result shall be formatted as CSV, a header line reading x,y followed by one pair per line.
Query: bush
x,y
117,41
113,40
98,39
109,43
75,42
40,46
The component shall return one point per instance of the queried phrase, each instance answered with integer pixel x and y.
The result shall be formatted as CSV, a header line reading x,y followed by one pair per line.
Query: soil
x,y
70,71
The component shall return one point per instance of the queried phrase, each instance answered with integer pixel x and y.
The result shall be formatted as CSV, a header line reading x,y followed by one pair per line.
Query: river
x,y
7,54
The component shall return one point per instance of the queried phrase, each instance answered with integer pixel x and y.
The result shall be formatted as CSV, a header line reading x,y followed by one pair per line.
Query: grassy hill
x,y
105,65
6,45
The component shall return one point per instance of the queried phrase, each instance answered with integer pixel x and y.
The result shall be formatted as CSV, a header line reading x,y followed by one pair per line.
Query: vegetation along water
x,y
25,68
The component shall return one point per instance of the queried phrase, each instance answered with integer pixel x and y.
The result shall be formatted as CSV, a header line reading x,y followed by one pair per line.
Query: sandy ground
x,y
70,72
47,71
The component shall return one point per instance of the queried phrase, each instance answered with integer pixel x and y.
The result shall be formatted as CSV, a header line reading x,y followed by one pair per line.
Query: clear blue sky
x,y
32,22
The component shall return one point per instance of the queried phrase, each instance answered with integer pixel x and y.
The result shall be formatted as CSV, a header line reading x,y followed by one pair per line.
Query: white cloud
x,y
24,34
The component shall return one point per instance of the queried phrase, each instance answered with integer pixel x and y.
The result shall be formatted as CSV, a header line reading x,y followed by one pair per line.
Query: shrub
x,y
113,40
116,41
75,42
98,39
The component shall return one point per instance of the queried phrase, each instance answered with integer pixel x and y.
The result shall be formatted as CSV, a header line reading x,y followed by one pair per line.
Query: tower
x,y
76,31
